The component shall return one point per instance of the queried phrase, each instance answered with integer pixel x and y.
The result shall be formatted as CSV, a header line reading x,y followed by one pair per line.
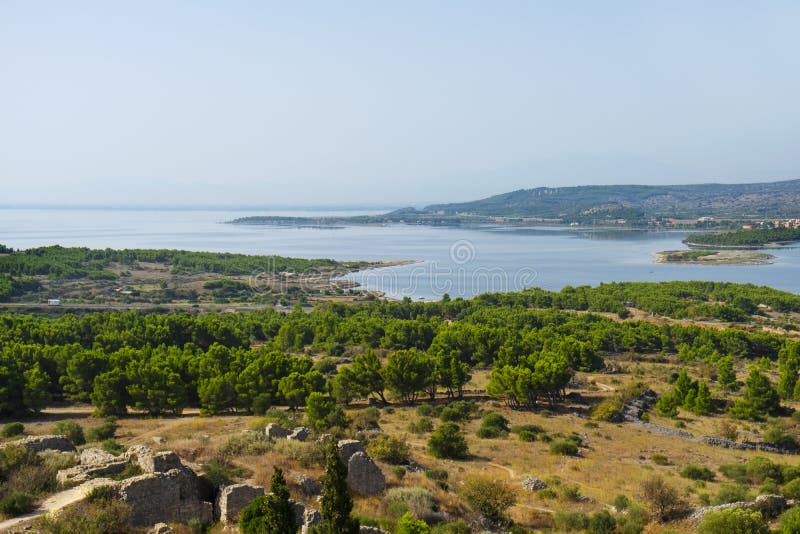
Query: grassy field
x,y
614,458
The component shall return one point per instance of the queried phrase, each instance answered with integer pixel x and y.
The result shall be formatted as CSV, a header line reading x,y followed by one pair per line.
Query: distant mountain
x,y
758,200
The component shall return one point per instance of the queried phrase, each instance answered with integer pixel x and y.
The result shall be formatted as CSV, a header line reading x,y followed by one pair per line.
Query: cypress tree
x,y
336,501
279,513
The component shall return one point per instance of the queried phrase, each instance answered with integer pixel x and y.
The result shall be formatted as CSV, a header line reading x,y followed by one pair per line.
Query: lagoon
x,y
459,261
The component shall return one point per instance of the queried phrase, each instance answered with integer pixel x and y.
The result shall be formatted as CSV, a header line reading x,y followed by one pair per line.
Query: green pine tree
x,y
279,512
703,402
726,375
336,501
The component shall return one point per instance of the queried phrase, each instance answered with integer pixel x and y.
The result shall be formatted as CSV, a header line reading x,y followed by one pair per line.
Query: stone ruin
x,y
274,431
533,484
44,443
363,475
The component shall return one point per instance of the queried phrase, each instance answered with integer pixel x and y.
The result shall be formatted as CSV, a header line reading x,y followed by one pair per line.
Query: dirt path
x,y
53,503
508,470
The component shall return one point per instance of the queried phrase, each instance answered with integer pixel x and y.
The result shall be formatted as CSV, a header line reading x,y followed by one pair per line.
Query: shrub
x,y
527,436
72,430
421,426
663,499
366,419
101,494
734,521
633,522
458,411
488,497
418,501
428,410
731,493
778,436
659,459
399,472
790,521
791,490
389,449
219,472
111,446
245,444
736,472
790,472
305,453
104,431
695,472
447,442
621,502
602,522
493,425
759,469
564,448
103,516
16,503
565,521
436,474
12,429
408,525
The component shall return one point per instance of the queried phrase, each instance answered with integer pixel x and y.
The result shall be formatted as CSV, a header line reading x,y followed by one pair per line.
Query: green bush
x,y
564,448
422,426
493,425
695,472
219,472
16,503
448,442
101,494
736,472
399,472
621,502
104,431
488,497
565,521
778,436
72,430
408,525
389,449
731,493
790,521
602,522
791,490
111,446
419,501
12,429
428,410
659,459
527,436
733,521
458,411
759,469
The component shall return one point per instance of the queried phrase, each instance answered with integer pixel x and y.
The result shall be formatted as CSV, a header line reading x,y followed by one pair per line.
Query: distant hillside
x,y
759,200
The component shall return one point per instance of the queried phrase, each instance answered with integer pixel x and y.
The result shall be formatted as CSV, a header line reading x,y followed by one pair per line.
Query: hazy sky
x,y
378,102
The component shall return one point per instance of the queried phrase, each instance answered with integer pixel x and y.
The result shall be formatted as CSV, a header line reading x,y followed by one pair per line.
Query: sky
x,y
409,102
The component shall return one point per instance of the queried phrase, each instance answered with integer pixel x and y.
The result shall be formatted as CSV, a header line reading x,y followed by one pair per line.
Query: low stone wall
x,y
44,443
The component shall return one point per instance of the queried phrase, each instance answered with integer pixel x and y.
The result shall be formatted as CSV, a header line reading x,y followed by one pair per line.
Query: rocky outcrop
x,y
161,528
533,484
348,447
633,410
308,485
160,462
233,499
95,456
311,518
45,443
300,433
363,476
276,431
83,472
173,496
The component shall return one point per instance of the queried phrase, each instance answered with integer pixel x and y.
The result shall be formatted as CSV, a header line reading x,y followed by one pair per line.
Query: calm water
x,y
457,261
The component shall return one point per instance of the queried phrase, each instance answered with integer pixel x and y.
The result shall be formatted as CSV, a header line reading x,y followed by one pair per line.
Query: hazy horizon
x,y
274,105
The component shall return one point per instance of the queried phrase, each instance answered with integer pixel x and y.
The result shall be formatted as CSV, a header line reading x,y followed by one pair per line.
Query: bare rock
x,y
363,476
300,433
173,496
348,447
45,443
95,456
233,499
533,484
137,451
161,528
160,462
308,485
276,431
311,518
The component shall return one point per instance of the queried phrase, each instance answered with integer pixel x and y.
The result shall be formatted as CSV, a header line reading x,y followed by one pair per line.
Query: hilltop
x,y
596,204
